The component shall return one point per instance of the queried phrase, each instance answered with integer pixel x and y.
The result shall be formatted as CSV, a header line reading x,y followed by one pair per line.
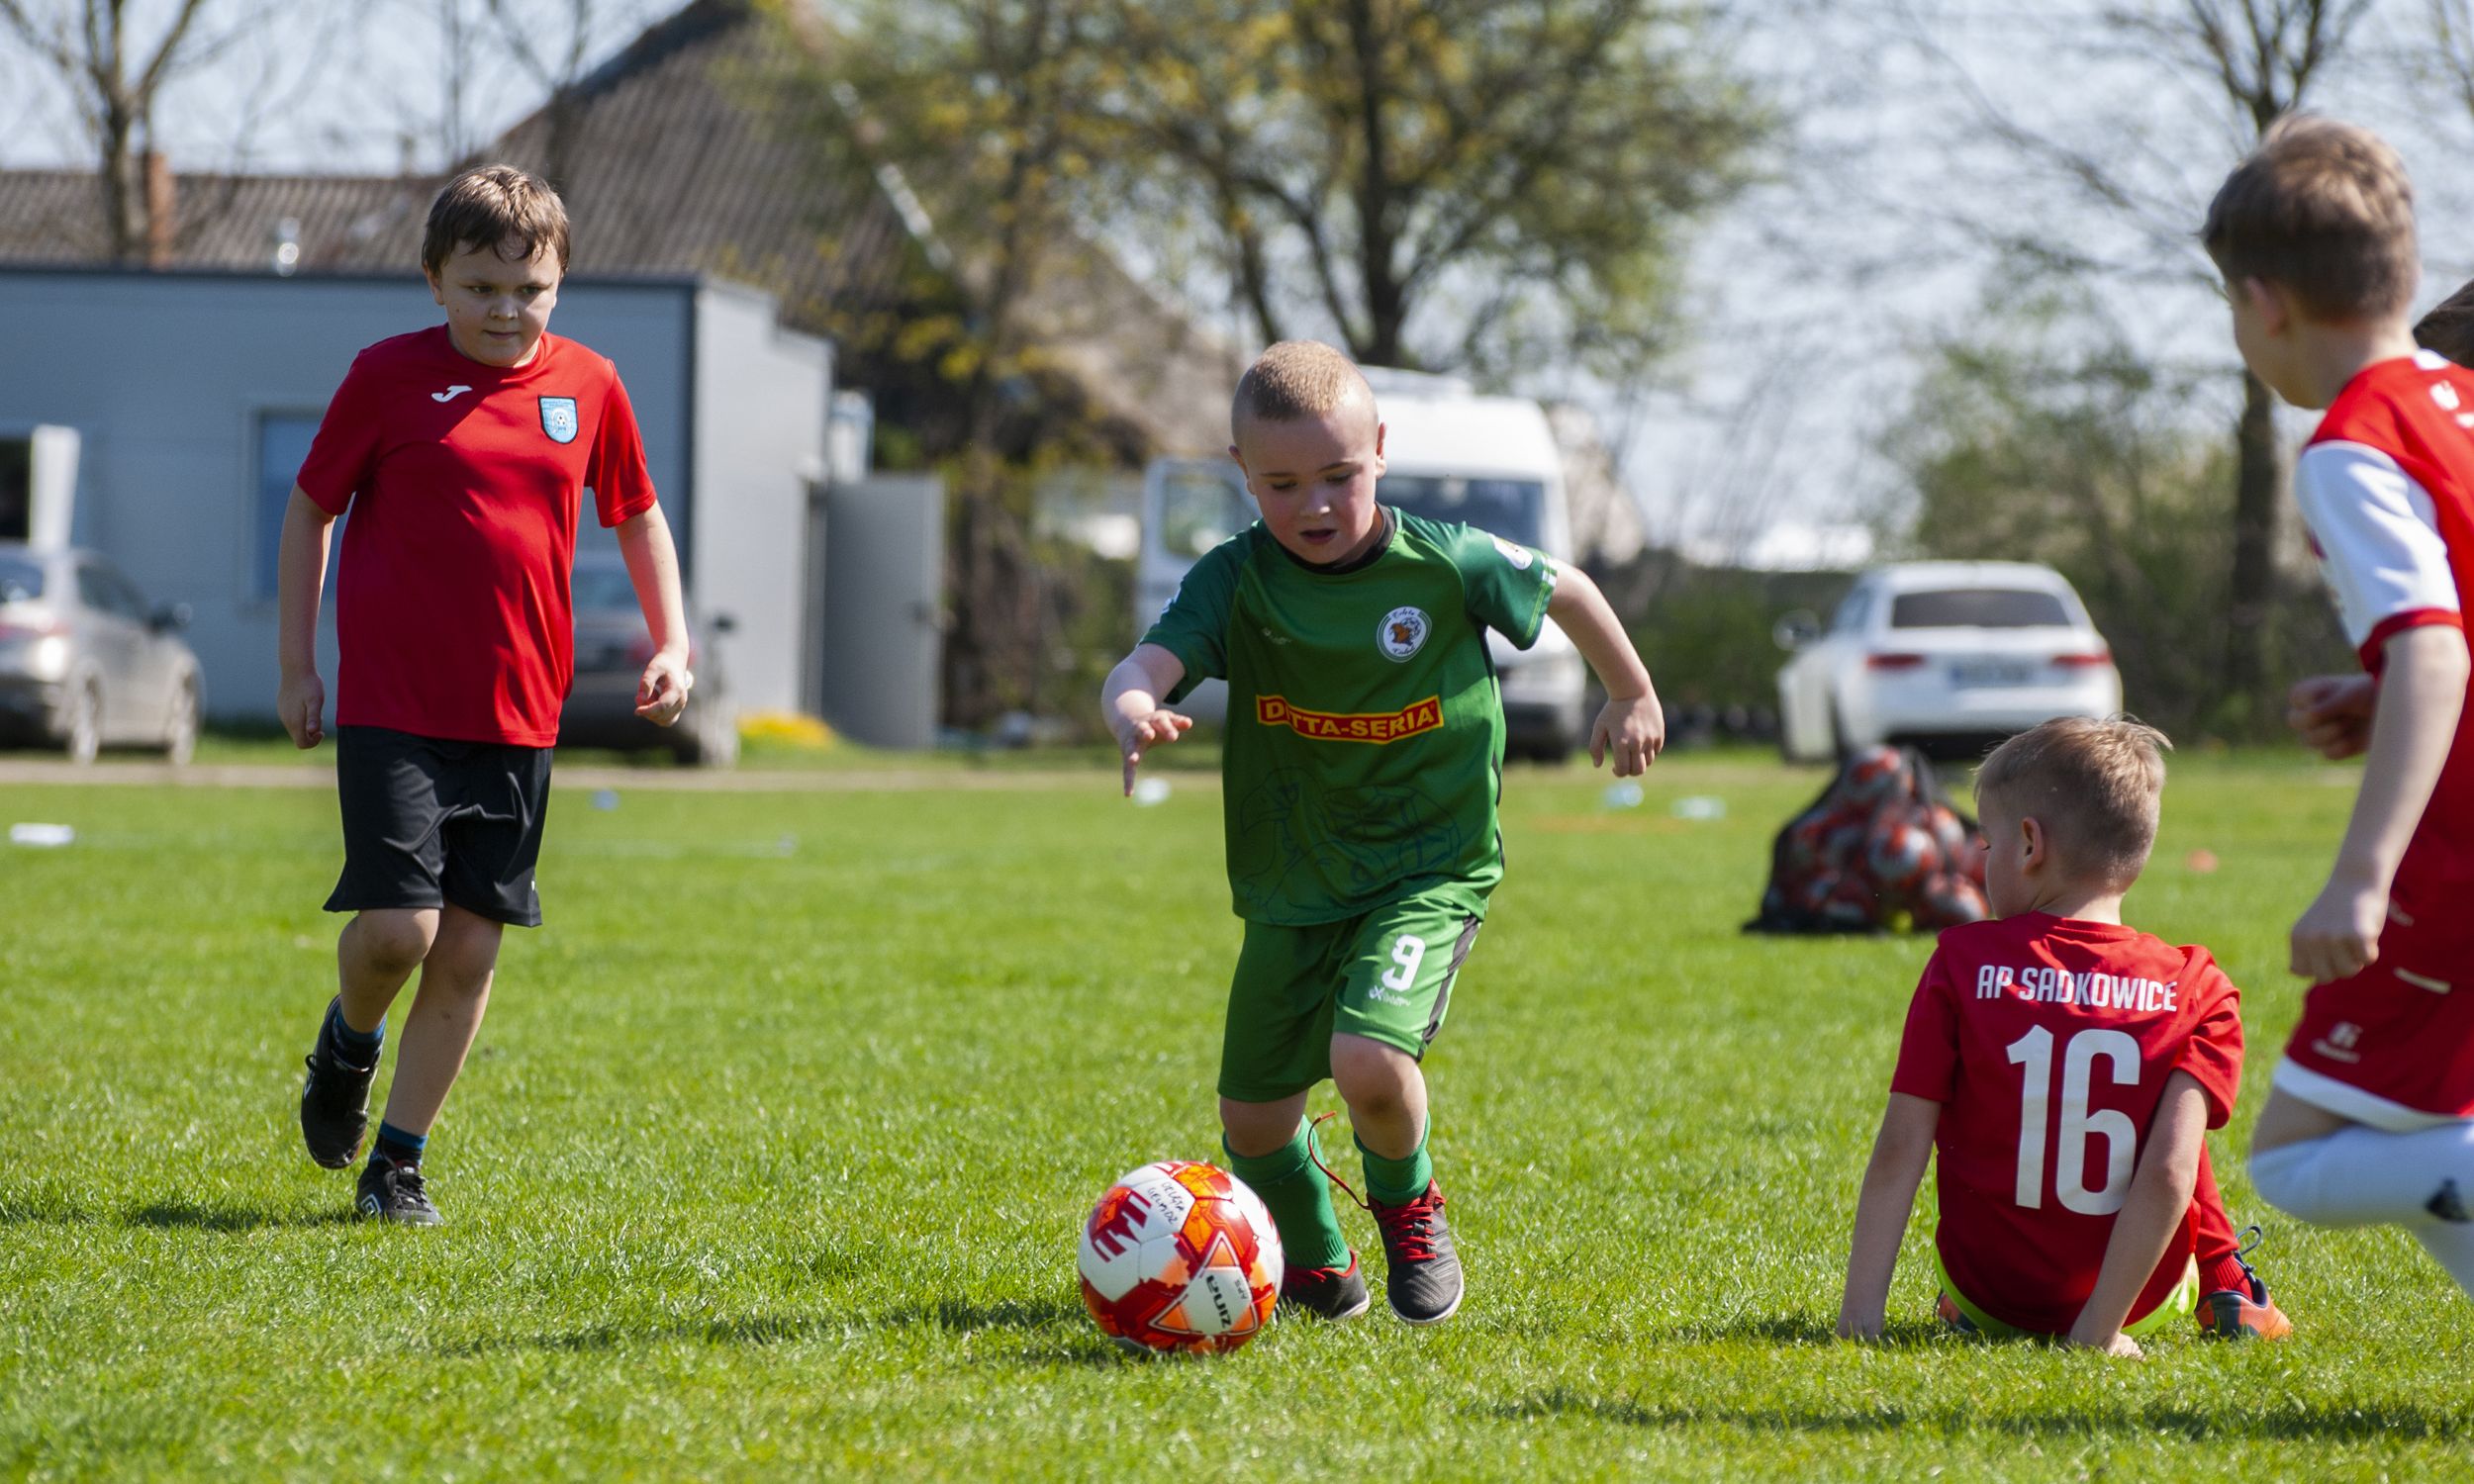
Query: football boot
x,y
335,1102
2243,1313
1422,1277
1328,1292
391,1191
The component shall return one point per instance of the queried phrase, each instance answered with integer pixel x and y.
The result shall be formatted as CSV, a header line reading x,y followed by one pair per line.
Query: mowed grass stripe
x,y
772,1152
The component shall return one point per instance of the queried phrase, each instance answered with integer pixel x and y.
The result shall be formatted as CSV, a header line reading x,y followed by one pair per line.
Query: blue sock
x,y
360,1048
396,1144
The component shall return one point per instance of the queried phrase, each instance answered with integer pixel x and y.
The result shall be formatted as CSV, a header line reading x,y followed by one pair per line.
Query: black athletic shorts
x,y
428,821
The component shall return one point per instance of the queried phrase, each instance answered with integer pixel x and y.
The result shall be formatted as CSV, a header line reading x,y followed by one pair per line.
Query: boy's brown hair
x,y
1295,379
497,206
2449,328
2093,784
2324,210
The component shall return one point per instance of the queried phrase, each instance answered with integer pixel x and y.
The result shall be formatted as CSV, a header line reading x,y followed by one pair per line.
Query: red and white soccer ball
x,y
1180,1255
1899,856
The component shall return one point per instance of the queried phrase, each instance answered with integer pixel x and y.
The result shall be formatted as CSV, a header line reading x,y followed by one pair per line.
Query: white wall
x,y
762,397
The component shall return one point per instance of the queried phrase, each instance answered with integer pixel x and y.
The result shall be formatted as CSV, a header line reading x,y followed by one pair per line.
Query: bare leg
x,y
377,953
1259,1128
446,1016
1386,1094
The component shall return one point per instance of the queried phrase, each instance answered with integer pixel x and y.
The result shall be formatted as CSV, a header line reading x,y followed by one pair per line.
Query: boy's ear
x,y
2034,845
2268,303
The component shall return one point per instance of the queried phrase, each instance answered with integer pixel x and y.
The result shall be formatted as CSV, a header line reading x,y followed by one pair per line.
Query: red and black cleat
x,y
1423,1279
1326,1292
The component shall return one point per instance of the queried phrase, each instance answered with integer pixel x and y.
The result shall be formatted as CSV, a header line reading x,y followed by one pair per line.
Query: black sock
x,y
356,1048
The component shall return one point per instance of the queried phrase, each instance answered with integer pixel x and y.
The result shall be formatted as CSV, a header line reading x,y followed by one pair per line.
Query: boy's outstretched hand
x,y
2331,713
1154,729
662,693
1632,730
2121,1347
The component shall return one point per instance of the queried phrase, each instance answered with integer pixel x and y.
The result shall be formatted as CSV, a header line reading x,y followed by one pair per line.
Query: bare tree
x,y
116,71
2253,61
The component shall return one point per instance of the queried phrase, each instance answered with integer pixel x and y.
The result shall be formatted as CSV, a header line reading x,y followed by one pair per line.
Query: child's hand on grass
x,y
2332,714
1151,729
1859,1324
1631,729
301,701
2118,1345
662,693
2339,935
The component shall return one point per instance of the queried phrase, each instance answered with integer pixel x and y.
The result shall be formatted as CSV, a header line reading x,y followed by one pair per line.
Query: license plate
x,y
1990,673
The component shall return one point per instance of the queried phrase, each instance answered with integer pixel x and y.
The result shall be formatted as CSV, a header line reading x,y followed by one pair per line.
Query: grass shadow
x,y
748,1329
964,1317
2332,1422
189,1216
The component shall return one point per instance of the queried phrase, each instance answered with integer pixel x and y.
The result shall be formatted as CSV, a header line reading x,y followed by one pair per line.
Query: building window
x,y
283,443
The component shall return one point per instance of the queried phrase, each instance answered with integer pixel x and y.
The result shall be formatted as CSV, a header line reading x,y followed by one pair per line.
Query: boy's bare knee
x,y
395,939
1256,1129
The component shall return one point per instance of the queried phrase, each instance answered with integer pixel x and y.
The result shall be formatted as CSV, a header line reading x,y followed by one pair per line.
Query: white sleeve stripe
x,y
2378,535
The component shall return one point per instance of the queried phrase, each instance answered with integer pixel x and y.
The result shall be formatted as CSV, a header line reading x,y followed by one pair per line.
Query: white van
x,y
1451,455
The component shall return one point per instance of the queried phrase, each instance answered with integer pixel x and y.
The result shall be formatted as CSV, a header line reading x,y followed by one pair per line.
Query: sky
x,y
1814,299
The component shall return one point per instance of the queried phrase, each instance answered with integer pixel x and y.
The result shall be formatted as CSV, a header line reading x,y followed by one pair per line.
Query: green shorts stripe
x,y
2181,1303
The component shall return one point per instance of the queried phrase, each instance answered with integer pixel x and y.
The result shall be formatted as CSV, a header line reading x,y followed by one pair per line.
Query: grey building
x,y
192,396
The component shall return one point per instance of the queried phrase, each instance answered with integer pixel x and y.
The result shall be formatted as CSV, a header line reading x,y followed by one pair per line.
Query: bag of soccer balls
x,y
1882,850
1180,1255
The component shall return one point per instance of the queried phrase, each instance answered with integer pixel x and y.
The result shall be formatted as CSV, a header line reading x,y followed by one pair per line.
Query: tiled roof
x,y
690,152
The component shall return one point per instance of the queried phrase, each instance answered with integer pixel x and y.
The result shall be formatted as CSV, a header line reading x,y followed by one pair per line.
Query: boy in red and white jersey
x,y
2066,1067
462,454
2371,1116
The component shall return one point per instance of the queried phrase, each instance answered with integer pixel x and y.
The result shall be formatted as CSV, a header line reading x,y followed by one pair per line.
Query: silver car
x,y
86,663
612,649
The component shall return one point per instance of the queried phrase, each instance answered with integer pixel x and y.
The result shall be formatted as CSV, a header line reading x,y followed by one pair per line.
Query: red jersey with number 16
x,y
464,482
2048,1040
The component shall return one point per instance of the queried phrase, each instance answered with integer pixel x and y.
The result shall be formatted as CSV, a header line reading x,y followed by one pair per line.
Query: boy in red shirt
x,y
2370,1118
461,452
2080,1063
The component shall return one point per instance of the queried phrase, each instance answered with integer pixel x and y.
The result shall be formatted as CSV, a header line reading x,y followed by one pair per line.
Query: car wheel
x,y
83,735
180,730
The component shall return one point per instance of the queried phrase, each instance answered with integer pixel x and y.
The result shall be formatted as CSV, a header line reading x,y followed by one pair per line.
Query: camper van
x,y
1450,455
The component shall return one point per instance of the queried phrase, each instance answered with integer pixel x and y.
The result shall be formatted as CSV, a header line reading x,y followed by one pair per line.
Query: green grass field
x,y
772,1153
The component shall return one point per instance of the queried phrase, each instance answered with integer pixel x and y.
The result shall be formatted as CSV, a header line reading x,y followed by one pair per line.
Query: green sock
x,y
1299,1200
1397,1181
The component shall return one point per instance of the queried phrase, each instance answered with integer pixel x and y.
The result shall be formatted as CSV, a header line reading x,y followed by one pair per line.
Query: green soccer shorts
x,y
1385,974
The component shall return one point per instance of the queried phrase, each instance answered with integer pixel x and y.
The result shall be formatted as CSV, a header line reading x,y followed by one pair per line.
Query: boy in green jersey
x,y
1362,760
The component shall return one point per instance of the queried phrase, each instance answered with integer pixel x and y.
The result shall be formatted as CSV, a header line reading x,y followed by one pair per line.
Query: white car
x,y
1949,656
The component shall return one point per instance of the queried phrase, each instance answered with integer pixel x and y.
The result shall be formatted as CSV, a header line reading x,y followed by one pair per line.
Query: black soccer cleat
x,y
335,1103
393,1192
1423,1281
1327,1292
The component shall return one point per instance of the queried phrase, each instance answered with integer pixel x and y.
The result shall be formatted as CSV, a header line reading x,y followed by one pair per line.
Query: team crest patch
x,y
1403,632
558,418
1518,556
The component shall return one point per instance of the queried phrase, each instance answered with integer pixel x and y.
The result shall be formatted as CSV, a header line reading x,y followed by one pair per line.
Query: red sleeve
x,y
1928,1051
339,457
622,488
2214,1052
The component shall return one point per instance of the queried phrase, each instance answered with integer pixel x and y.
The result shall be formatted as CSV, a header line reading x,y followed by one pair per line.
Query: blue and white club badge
x,y
558,418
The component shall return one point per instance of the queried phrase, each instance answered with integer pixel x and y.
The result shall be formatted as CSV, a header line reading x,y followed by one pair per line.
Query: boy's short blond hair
x,y
2094,785
1293,380
495,206
2324,210
2449,328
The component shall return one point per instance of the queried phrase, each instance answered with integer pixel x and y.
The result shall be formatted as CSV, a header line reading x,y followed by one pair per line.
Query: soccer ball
x,y
1899,856
1180,1255
1876,776
1950,900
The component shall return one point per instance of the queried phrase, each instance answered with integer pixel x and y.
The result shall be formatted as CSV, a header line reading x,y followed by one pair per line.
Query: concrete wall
x,y
165,377
762,397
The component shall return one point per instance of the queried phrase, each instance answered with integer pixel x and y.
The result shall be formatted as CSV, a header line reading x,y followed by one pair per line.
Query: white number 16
x,y
2034,1051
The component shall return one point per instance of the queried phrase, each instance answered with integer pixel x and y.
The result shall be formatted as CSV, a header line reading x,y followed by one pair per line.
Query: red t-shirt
x,y
2048,1040
464,482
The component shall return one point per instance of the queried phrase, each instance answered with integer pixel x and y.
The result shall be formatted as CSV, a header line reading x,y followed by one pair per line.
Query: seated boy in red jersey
x,y
2081,1063
462,454
2370,1118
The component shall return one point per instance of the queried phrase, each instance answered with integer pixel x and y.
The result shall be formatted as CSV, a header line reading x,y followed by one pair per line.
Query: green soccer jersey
x,y
1365,745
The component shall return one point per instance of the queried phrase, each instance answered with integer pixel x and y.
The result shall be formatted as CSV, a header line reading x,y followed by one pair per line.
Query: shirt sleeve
x,y
343,455
622,488
2378,538
2213,1054
1195,624
1508,583
1928,1050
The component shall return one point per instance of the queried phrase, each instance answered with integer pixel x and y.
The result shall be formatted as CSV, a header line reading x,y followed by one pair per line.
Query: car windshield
x,y
1979,608
21,581
604,589
1513,509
